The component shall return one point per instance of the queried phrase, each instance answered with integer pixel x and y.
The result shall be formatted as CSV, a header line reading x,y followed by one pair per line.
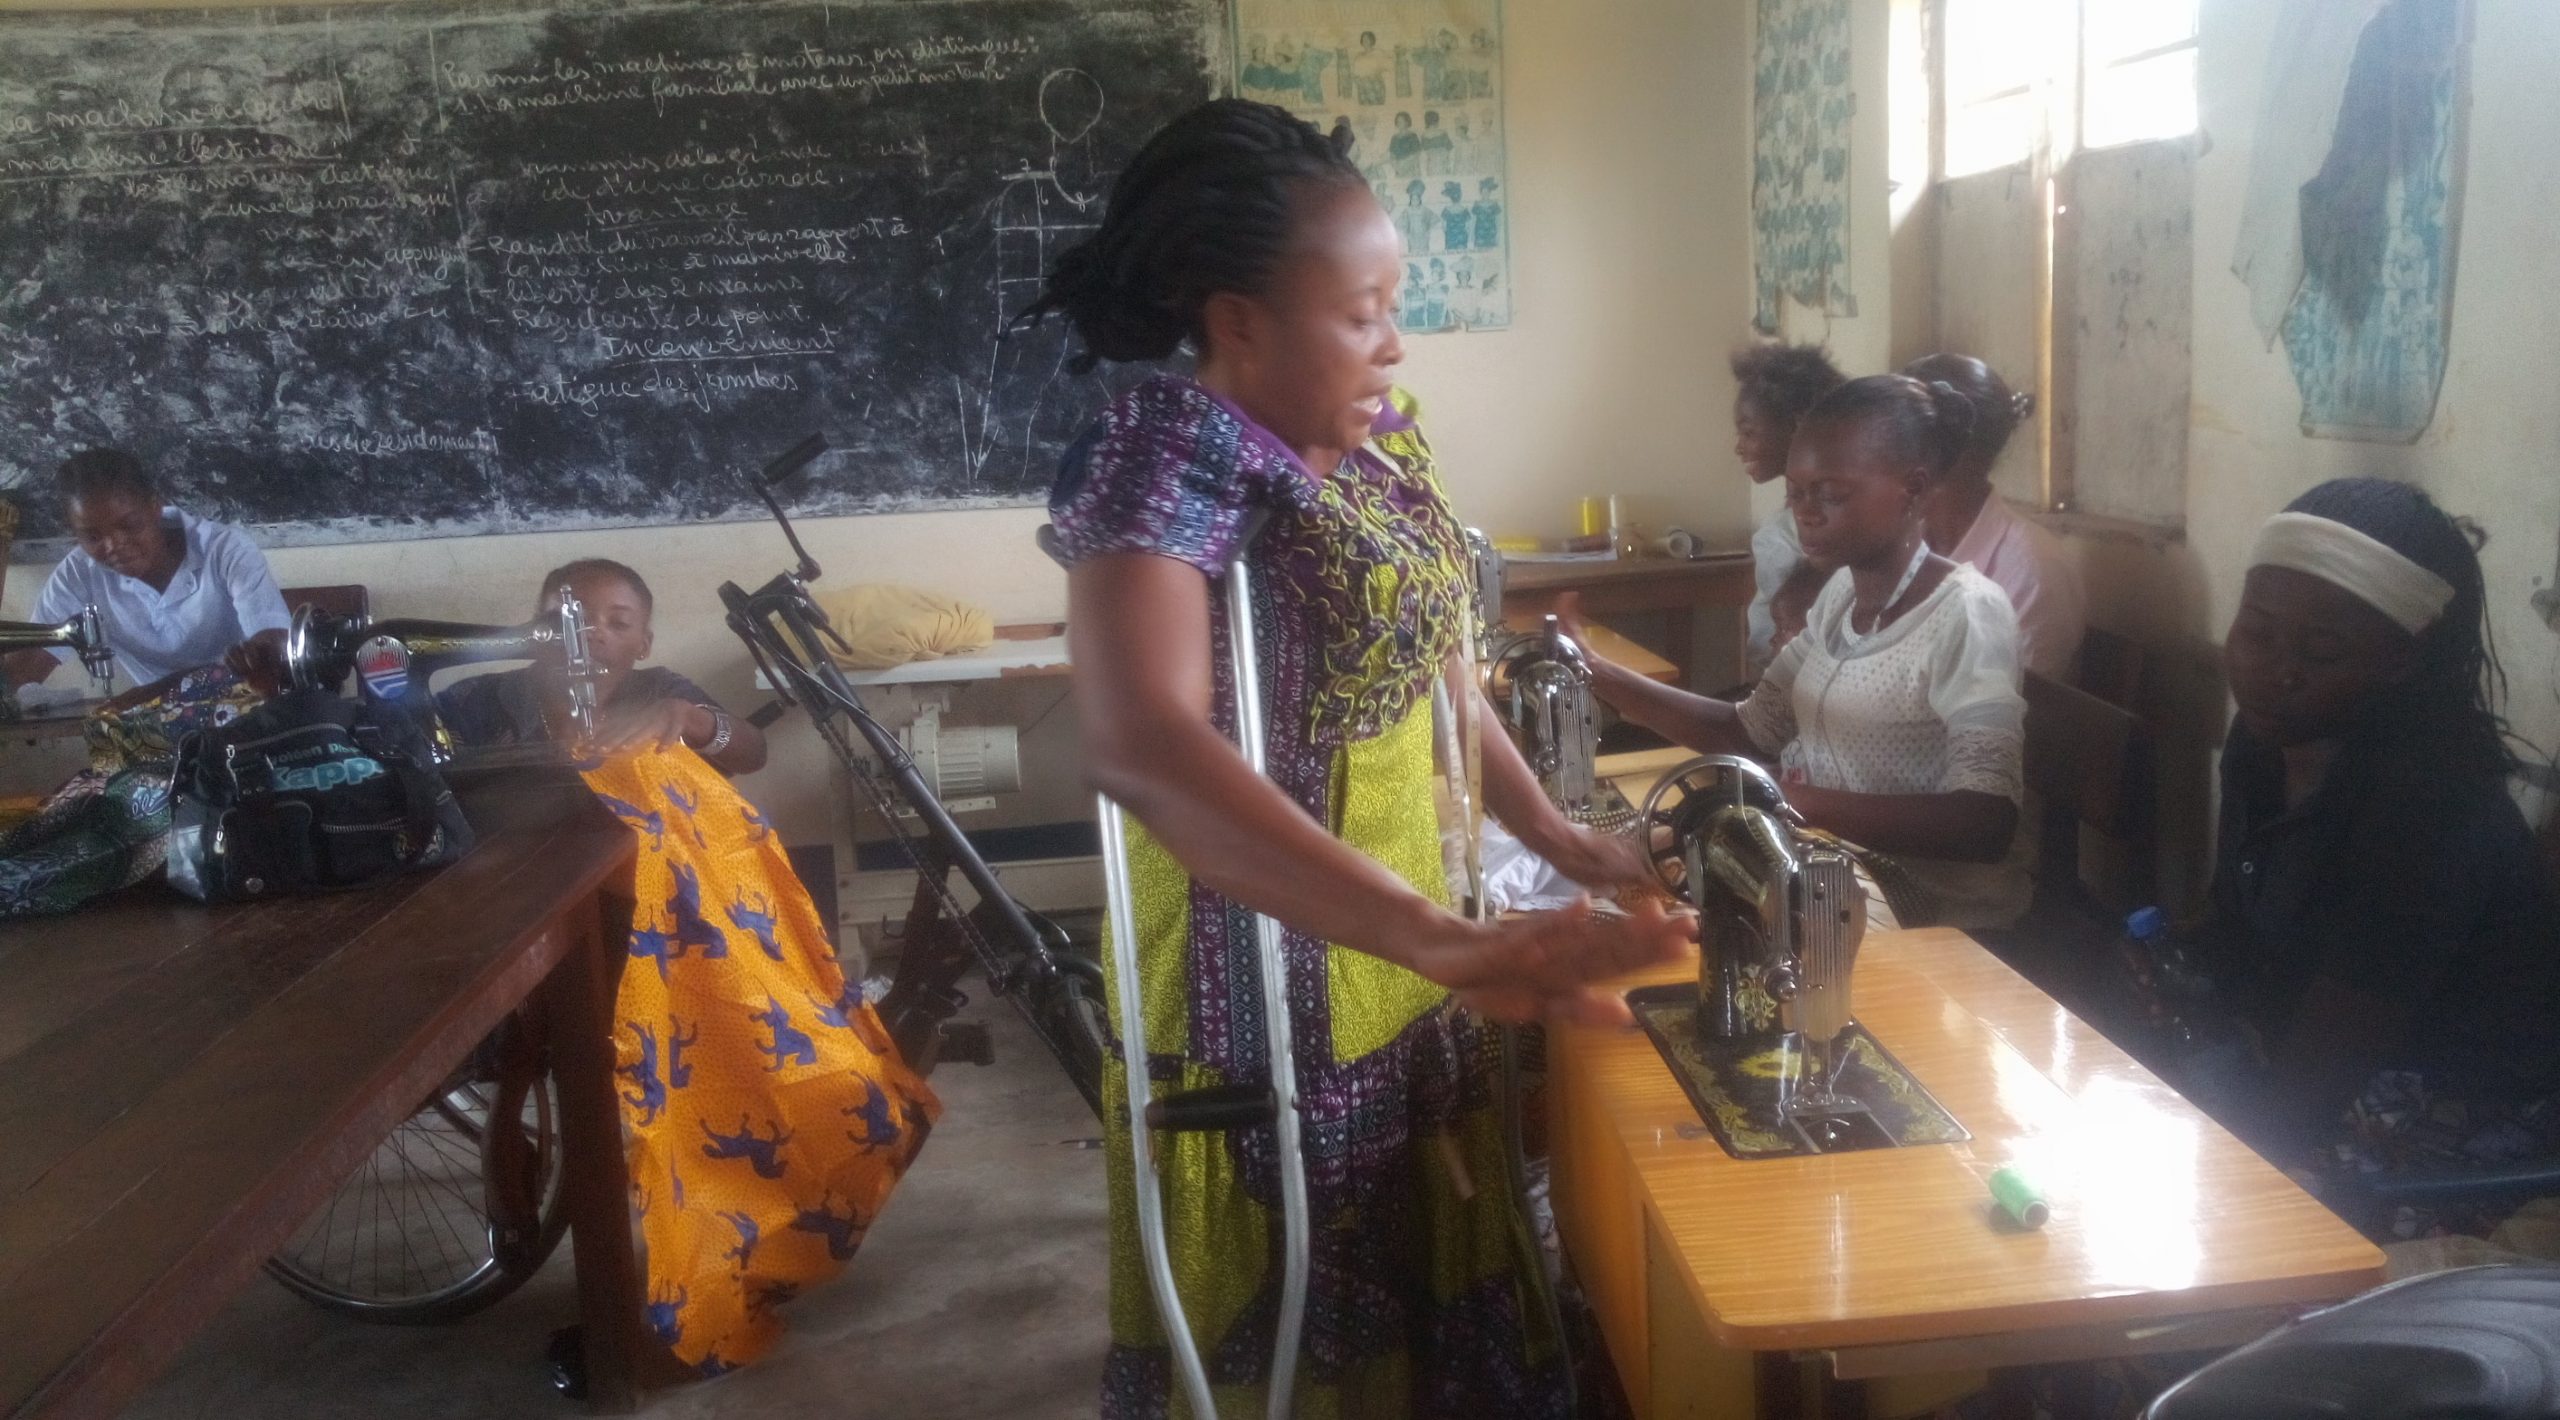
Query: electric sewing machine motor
x,y
397,660
85,633
1781,914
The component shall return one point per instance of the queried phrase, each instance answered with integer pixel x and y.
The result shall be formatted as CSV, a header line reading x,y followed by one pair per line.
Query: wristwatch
x,y
719,731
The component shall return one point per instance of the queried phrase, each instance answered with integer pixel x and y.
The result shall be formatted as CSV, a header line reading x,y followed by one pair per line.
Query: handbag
x,y
308,793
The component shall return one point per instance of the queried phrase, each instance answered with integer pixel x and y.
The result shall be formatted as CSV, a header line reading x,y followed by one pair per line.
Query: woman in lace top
x,y
1895,717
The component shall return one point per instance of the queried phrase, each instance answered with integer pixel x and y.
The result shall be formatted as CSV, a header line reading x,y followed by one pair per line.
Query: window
x,y
2137,71
2020,75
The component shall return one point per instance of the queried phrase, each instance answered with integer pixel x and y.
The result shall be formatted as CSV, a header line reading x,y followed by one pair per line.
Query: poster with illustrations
x,y
1420,84
2368,330
1801,105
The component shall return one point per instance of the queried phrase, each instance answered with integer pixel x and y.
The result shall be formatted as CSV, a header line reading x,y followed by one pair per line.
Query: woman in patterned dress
x,y
1243,234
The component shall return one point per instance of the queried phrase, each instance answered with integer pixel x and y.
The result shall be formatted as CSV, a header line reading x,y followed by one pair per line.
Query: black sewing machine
x,y
1764,1043
396,661
85,633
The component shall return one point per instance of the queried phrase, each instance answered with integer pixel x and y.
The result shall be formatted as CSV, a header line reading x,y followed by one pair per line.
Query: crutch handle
x,y
1213,1108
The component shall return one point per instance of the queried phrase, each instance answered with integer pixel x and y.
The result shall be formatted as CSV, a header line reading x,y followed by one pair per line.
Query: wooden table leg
x,y
597,1188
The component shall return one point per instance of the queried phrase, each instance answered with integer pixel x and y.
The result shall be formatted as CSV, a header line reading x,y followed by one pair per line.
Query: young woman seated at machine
x,y
174,591
1895,716
641,707
2378,905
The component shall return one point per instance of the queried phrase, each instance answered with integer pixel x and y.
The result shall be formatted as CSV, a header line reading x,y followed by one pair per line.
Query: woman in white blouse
x,y
1895,717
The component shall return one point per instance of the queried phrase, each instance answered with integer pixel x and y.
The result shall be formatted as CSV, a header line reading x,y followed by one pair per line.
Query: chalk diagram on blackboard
x,y
1042,211
446,267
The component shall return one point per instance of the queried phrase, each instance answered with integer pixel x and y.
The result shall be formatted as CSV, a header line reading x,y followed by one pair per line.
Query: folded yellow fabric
x,y
887,625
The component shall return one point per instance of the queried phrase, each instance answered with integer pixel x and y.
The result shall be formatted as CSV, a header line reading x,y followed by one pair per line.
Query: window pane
x,y
1994,46
1991,134
2153,98
2116,29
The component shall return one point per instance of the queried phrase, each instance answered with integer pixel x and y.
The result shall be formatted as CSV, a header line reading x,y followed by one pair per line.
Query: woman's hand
x,y
1549,965
1609,863
260,661
661,724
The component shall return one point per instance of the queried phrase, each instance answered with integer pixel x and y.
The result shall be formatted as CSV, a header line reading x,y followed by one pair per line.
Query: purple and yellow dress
x,y
1424,1294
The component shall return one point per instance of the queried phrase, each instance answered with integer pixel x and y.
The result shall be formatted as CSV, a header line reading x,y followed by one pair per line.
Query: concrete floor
x,y
979,1293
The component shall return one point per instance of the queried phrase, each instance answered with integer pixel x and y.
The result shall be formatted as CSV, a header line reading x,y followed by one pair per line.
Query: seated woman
x,y
175,590
1775,384
2377,903
1971,523
767,1114
641,707
1895,716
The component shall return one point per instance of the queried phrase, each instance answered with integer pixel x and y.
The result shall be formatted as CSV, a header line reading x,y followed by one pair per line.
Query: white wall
x,y
2492,452
1629,178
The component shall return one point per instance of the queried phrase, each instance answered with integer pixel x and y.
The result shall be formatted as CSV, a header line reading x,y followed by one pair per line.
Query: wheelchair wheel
x,y
453,1211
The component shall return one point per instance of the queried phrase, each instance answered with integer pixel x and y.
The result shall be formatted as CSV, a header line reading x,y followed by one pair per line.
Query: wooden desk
x,y
2167,1233
180,1085
1675,588
1608,643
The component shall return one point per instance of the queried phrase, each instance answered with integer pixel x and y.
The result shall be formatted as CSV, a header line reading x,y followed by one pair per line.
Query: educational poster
x,y
2368,329
1420,83
1800,109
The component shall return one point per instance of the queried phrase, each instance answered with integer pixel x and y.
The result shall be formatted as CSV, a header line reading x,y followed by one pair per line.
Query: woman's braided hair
x,y
1207,206
1923,424
1997,409
2447,708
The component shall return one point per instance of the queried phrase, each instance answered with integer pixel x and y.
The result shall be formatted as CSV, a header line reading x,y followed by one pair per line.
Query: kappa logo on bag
x,y
336,774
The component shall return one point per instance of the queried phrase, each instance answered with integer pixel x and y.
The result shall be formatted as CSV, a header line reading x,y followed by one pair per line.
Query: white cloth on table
x,y
222,594
2027,562
1927,705
1775,551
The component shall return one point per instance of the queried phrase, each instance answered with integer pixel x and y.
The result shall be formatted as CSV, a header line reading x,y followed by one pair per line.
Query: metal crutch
x,y
1232,1106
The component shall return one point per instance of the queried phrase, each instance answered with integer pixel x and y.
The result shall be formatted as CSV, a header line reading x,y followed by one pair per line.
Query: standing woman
x,y
1245,235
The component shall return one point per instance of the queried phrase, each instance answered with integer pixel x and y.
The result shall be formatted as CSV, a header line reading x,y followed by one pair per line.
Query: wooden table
x,y
1675,588
1712,1277
1607,643
181,1086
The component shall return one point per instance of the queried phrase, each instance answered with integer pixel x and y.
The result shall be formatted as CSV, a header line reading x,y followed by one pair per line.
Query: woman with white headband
x,y
2377,903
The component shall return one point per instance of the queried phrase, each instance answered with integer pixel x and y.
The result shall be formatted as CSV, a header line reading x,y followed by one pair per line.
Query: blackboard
x,y
453,268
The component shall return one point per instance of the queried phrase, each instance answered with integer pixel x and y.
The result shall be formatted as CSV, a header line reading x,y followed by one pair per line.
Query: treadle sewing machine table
x,y
1727,1287
181,1085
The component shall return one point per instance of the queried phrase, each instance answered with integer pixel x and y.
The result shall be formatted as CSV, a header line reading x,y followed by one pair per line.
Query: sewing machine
x,y
397,660
85,633
1765,1040
1556,724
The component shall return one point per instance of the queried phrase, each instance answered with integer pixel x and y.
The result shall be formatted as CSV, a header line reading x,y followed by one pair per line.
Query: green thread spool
x,y
2019,1198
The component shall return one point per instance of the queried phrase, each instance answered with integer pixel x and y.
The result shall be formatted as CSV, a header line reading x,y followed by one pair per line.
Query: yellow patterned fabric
x,y
767,1114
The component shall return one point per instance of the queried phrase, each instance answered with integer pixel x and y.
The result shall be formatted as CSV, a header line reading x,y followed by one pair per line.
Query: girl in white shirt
x,y
176,591
1773,386
1895,717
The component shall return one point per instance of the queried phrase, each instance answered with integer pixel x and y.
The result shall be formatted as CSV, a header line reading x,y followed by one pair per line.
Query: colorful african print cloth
x,y
767,1114
1425,1296
107,827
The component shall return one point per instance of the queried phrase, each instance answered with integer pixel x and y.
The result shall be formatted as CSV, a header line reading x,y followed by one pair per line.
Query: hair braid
x,y
1207,206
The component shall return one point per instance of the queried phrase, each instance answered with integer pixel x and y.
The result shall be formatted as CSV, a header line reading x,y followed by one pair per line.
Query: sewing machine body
x,y
397,660
85,633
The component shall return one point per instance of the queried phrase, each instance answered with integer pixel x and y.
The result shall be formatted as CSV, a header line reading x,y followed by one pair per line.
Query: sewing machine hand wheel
x,y
1681,800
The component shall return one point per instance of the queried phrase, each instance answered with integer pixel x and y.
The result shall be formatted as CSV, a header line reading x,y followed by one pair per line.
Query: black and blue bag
x,y
308,793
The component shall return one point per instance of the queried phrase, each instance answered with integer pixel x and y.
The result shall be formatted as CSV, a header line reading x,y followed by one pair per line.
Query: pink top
x,y
2044,588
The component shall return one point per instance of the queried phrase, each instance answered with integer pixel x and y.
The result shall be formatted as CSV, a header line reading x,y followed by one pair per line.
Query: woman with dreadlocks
x,y
1250,239
2380,921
